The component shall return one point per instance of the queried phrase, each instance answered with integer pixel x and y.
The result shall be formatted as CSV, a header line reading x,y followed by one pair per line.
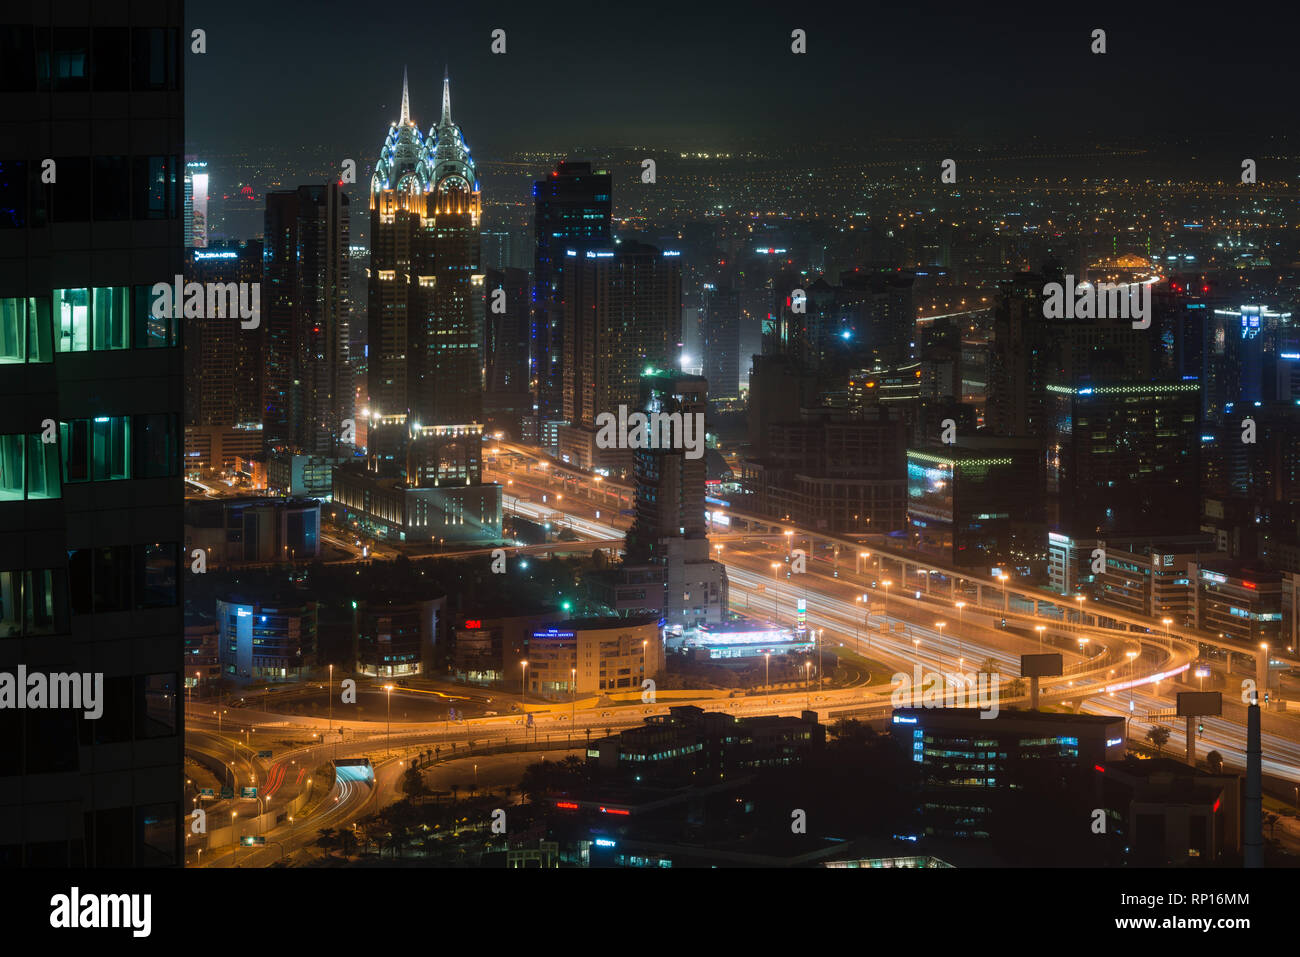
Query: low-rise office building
x,y
970,764
265,639
386,505
1153,577
690,743
243,531
594,655
487,650
1239,602
396,638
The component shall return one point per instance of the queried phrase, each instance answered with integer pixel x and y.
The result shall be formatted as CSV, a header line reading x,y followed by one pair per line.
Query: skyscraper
x,y
90,510
426,289
1123,458
423,474
305,289
196,203
622,315
507,399
669,530
571,213
721,322
223,365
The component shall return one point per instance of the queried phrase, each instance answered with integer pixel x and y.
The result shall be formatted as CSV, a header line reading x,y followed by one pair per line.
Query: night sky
x,y
678,74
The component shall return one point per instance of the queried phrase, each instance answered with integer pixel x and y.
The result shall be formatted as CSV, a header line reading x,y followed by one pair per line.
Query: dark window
x,y
96,450
112,188
112,578
13,188
51,740
17,58
154,437
42,48
38,202
158,825
111,58
153,58
71,59
153,184
114,836
114,725
155,577
151,332
157,700
48,854
33,602
74,439
45,603
11,763
81,593
70,192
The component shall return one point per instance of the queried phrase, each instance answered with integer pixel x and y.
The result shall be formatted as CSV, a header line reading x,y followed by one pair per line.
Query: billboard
x,y
1041,666
1195,703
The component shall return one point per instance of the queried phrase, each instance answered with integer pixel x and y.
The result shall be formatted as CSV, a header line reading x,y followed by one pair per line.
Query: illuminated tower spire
x,y
406,101
446,97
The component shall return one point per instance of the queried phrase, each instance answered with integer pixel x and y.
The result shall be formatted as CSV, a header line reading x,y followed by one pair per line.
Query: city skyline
x,y
630,438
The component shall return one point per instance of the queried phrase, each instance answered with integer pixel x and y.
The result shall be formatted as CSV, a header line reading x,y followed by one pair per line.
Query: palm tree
x,y
1270,822
328,840
348,841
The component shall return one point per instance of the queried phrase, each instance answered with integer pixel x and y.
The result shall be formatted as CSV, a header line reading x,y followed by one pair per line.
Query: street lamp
x,y
862,561
767,669
1132,655
940,625
388,745
959,605
820,645
1040,629
1005,607
885,611
807,668
331,699
523,678
776,597
573,697
1080,599
1167,622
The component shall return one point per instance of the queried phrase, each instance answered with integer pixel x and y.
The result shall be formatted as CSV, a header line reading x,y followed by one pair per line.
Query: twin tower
x,y
425,293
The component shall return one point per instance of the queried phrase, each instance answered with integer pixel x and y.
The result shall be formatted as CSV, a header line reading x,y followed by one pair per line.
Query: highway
x,y
831,592
1108,670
